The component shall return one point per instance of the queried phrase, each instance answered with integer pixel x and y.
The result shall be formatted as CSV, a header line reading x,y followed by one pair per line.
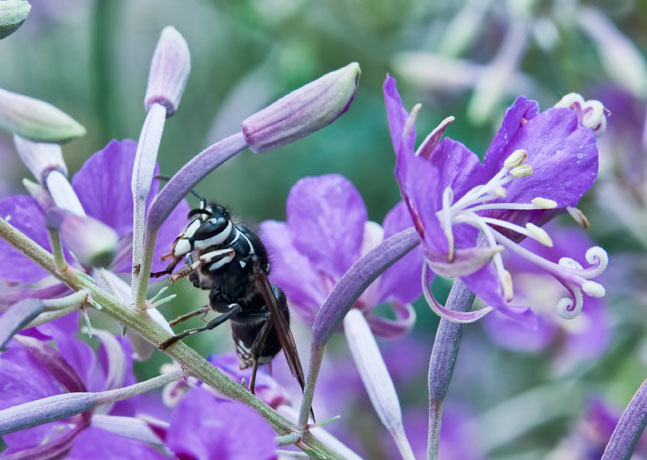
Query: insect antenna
x,y
193,192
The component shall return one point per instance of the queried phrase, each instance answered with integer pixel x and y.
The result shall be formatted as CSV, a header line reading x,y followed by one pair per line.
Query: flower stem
x,y
140,322
443,358
57,249
345,293
628,430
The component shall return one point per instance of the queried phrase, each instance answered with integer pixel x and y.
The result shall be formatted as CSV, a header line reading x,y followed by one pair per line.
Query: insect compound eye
x,y
213,231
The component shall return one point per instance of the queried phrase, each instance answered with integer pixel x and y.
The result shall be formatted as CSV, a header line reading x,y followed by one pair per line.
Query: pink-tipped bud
x,y
169,72
92,242
303,111
40,158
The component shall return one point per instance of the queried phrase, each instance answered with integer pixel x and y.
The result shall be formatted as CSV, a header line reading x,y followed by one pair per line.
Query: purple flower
x,y
204,427
584,337
327,230
103,188
31,369
537,164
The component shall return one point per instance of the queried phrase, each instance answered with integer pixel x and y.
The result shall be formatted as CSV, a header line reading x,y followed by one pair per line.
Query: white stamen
x,y
594,117
539,234
566,308
544,203
411,121
593,289
521,171
448,196
516,159
570,100
569,263
506,284
598,257
578,216
500,192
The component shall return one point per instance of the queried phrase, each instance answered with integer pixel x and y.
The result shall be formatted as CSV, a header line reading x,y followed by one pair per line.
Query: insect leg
x,y
204,310
169,269
217,321
255,349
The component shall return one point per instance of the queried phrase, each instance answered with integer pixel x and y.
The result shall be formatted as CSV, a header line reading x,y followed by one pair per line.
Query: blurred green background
x,y
91,59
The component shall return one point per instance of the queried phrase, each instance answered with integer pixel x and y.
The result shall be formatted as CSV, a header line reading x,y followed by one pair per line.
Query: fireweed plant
x,y
458,218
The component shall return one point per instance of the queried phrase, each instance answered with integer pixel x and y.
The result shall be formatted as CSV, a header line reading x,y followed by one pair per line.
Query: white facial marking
x,y
216,239
242,264
209,256
181,247
191,228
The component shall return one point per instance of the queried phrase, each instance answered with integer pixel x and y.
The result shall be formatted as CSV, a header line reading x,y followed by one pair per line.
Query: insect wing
x,y
281,326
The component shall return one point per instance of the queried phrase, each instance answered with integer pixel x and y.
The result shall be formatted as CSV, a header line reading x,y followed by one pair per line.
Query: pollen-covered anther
x,y
539,234
594,118
500,192
516,158
521,171
506,284
544,203
572,101
578,216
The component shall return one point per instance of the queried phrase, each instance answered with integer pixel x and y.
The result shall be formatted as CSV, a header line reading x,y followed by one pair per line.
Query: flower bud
x,y
40,158
92,242
169,71
12,14
36,120
303,111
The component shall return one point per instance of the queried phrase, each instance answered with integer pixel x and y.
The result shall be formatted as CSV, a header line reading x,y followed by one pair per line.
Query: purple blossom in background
x,y
584,337
537,164
34,369
103,187
204,427
327,230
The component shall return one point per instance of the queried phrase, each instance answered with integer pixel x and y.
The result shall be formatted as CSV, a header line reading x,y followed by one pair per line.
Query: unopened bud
x,y
92,242
39,157
303,111
169,71
539,234
521,171
12,14
516,158
544,203
36,120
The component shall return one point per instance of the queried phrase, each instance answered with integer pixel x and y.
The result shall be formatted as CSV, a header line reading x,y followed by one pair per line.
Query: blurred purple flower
x,y
537,164
103,188
204,427
32,369
584,337
327,230
591,433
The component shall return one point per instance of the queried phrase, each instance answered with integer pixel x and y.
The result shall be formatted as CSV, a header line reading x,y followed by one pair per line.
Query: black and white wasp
x,y
230,261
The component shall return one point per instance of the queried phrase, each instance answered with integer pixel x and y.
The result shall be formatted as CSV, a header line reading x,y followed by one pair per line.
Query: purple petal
x,y
402,280
397,116
110,446
514,336
514,119
485,285
405,318
562,153
208,428
10,296
292,271
79,356
103,185
326,217
465,261
24,214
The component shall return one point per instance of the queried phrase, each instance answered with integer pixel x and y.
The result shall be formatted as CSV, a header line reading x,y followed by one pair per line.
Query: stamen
x,y
570,307
516,159
539,234
448,197
593,289
506,284
411,121
544,203
521,171
500,192
597,257
578,216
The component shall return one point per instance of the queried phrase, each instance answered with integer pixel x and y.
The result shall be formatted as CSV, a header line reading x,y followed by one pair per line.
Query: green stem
x,y
57,249
141,323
